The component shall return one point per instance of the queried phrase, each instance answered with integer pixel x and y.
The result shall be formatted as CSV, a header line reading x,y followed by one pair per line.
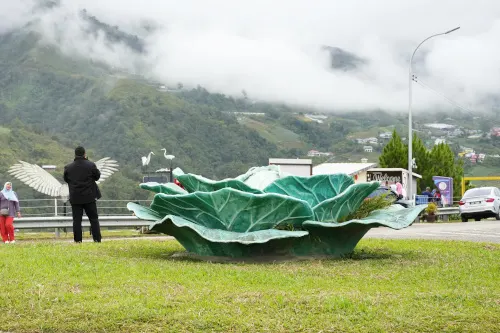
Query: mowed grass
x,y
136,286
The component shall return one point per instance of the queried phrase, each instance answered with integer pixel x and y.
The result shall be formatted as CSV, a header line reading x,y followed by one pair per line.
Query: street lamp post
x,y
410,129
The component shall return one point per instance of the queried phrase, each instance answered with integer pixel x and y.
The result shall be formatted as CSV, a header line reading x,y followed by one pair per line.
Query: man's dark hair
x,y
79,151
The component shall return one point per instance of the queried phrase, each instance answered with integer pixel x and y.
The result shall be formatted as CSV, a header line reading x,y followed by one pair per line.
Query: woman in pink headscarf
x,y
400,190
9,207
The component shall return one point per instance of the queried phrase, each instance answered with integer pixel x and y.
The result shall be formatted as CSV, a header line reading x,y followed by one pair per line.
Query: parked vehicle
x,y
481,202
390,195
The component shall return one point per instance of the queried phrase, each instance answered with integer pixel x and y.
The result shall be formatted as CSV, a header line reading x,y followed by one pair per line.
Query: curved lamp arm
x,y
418,46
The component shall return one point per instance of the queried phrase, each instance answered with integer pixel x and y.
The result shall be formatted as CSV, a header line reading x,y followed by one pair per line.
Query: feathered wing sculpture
x,y
42,181
107,168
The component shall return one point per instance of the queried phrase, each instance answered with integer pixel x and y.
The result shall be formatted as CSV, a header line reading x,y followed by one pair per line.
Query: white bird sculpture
x,y
146,160
42,181
168,157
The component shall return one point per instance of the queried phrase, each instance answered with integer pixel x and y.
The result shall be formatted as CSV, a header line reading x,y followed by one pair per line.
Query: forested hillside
x,y
50,102
120,116
70,101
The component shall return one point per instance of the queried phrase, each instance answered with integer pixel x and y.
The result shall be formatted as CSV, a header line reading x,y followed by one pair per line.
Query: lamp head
x,y
450,31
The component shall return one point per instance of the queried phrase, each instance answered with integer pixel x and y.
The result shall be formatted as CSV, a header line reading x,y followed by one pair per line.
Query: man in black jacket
x,y
81,176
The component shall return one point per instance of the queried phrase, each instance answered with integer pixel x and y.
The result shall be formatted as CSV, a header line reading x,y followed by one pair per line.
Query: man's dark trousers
x,y
91,212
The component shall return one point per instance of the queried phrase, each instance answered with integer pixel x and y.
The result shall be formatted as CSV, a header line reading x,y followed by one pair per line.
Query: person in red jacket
x,y
437,198
9,207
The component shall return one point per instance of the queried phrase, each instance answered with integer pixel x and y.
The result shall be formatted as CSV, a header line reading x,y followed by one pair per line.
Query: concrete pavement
x,y
483,231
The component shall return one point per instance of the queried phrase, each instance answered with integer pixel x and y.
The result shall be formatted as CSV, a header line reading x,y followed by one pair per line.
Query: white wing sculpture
x,y
42,181
107,168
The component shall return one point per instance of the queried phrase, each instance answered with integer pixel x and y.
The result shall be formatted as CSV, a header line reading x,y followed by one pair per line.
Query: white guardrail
x,y
61,222
445,212
50,222
448,211
56,207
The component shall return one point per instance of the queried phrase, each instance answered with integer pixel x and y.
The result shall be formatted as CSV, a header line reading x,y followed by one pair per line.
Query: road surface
x,y
483,231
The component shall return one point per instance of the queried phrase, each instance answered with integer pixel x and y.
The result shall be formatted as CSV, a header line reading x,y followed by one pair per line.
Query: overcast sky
x,y
271,49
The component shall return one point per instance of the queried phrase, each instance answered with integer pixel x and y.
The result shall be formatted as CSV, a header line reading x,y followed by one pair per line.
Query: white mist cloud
x,y
14,14
271,49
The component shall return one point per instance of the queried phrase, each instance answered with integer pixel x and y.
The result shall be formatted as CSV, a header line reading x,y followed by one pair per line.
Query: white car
x,y
481,202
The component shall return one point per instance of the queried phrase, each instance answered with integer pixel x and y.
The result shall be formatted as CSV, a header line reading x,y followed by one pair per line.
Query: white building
x,y
294,166
439,141
368,149
385,135
440,126
356,170
456,132
317,118
315,153
371,140
389,176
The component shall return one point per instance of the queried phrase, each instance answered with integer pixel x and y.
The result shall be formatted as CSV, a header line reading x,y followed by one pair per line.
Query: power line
x,y
452,102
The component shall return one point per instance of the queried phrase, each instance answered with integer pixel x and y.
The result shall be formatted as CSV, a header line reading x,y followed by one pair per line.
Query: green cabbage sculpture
x,y
288,215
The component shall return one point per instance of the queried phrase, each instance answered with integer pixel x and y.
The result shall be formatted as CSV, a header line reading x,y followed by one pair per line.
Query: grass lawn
x,y
135,286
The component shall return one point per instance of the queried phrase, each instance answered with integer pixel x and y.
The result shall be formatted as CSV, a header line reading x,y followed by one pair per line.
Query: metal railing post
x,y
57,233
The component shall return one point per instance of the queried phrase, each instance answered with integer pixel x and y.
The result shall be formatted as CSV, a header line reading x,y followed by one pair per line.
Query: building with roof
x,y
389,176
367,172
294,166
356,170
440,126
313,153
385,135
439,141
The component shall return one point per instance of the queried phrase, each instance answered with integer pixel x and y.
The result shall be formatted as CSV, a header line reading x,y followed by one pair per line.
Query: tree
x,y
394,154
440,161
422,160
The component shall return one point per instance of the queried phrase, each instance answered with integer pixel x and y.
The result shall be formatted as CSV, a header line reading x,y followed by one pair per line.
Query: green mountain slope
x,y
21,142
64,101
120,116
87,104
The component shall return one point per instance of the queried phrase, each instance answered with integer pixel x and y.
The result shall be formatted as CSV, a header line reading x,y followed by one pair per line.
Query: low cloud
x,y
273,49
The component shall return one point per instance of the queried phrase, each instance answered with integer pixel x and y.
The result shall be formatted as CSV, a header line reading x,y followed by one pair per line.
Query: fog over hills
x,y
334,55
